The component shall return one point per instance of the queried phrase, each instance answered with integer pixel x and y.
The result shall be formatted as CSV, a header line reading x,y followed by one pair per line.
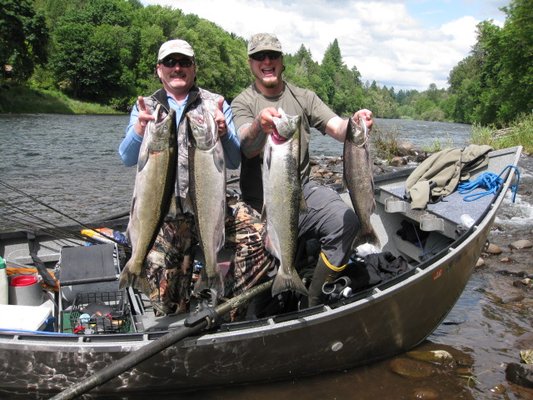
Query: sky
x,y
405,44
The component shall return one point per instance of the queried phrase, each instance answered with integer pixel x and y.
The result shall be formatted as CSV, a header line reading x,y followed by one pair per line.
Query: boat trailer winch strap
x,y
489,181
172,337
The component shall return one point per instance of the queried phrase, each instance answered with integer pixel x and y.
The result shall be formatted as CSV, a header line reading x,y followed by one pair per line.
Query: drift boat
x,y
55,347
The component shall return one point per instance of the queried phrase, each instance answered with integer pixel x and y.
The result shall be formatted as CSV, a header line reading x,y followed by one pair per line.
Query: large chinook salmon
x,y
283,199
152,194
207,171
359,181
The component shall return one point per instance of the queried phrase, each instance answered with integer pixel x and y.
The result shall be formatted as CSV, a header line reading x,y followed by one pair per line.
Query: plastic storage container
x,y
100,312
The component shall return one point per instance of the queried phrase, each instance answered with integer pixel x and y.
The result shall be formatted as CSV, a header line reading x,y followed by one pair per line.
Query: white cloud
x,y
380,38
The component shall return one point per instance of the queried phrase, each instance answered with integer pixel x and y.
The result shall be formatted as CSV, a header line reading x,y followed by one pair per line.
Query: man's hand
x,y
220,119
366,116
143,117
264,119
253,135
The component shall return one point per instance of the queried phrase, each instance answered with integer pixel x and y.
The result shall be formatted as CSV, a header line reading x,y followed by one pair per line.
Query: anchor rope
x,y
489,181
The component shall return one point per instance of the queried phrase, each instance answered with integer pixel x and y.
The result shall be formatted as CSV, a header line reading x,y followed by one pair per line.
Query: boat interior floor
x,y
410,235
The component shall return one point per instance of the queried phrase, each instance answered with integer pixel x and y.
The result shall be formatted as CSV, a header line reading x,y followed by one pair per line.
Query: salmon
x,y
152,193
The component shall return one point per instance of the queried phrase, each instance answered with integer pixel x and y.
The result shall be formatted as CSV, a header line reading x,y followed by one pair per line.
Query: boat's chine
x,y
372,324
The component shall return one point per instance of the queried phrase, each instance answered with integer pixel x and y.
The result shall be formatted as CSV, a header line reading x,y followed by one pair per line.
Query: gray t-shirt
x,y
294,101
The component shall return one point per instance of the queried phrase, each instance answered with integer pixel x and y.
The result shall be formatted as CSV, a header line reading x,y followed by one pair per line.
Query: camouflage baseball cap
x,y
263,42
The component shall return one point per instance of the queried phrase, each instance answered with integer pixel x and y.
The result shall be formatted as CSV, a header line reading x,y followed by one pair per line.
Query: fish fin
x,y
217,284
172,207
303,203
187,206
141,162
128,274
283,283
126,278
142,284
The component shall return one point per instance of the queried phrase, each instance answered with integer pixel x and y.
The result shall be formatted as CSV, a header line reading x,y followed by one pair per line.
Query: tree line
x,y
105,51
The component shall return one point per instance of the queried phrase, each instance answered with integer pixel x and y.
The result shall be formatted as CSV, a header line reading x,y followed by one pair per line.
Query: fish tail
x,y
217,284
127,276
284,282
125,279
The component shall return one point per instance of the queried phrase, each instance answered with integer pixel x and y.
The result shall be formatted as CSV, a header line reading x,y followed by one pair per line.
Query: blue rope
x,y
489,181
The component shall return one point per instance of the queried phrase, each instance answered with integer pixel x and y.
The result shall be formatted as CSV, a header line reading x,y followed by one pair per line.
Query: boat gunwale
x,y
281,321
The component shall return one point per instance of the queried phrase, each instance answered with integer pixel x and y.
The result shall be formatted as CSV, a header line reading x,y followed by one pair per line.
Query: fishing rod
x,y
36,221
17,190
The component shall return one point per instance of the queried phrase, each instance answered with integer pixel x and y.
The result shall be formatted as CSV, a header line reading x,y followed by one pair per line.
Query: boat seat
x,y
443,216
88,269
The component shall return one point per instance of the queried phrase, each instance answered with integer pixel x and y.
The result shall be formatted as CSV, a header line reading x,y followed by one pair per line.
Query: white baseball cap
x,y
176,46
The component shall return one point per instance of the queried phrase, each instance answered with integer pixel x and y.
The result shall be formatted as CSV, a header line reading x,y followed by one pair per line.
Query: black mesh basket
x,y
100,312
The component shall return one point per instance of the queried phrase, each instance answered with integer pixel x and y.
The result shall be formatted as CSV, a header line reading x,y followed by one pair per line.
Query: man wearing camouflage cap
x,y
328,218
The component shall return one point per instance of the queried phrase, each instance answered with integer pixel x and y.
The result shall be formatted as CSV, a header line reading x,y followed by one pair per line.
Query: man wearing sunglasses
x,y
176,69
327,219
168,264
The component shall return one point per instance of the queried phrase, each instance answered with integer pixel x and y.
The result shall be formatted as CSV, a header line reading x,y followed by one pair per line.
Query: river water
x,y
71,164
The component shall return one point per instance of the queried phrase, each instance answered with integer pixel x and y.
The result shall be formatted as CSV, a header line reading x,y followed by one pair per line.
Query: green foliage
x,y
221,60
493,84
386,144
105,51
23,39
519,132
21,99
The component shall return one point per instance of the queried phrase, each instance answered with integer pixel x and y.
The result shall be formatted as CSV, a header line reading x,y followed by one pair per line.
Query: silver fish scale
x,y
282,197
359,180
208,192
153,189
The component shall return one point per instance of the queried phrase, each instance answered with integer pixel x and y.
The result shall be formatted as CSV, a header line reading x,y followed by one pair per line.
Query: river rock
x,y
525,341
498,389
426,394
406,149
526,356
524,283
480,262
398,161
521,244
411,368
506,260
521,374
493,249
441,357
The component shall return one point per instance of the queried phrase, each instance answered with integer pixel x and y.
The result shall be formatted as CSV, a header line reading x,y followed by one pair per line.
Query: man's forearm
x,y
252,138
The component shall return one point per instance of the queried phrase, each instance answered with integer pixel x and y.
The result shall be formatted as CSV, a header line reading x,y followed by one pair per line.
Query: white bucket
x,y
25,290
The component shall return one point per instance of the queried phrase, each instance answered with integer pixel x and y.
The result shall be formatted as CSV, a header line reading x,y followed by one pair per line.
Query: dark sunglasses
x,y
182,62
272,55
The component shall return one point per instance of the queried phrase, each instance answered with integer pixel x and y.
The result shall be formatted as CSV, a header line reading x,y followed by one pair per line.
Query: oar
x,y
209,318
